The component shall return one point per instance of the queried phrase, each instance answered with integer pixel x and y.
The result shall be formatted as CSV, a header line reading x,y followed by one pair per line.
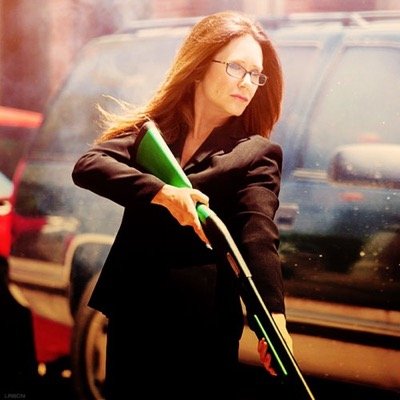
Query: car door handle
x,y
286,215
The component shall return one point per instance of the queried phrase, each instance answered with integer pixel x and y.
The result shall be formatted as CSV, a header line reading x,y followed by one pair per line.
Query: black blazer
x,y
240,173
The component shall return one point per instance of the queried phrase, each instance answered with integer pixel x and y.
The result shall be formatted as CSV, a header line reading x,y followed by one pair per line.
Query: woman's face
x,y
224,95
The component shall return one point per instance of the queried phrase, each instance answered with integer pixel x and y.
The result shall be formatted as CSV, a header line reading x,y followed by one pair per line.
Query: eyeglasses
x,y
237,71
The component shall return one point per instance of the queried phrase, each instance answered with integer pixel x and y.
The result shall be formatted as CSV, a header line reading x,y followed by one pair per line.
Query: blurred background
x,y
39,39
39,43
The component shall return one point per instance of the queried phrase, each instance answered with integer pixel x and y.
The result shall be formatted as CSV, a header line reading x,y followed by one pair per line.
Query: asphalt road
x,y
54,386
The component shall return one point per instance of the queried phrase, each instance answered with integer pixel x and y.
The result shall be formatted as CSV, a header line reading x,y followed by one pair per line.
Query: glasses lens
x,y
235,70
260,79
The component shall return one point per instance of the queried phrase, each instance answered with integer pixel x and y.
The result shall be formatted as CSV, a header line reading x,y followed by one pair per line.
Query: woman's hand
x,y
265,356
181,203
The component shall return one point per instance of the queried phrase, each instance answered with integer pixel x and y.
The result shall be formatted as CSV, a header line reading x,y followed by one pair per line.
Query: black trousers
x,y
182,340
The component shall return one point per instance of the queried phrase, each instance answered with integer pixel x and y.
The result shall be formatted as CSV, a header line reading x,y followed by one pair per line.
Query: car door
x,y
340,242
343,241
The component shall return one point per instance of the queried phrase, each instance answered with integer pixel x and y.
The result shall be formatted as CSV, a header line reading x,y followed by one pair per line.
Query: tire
x,y
88,349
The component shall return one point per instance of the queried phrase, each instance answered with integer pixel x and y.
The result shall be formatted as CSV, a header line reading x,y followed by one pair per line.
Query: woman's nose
x,y
246,80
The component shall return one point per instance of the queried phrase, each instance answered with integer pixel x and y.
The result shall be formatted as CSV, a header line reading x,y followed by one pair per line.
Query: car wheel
x,y
88,350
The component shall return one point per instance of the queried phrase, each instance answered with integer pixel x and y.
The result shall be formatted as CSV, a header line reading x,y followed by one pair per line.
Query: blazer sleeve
x,y
108,170
256,233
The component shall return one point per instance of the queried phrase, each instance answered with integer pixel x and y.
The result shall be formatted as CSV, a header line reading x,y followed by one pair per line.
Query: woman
x,y
216,109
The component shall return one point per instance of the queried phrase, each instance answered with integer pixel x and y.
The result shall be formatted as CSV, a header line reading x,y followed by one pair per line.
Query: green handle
x,y
154,155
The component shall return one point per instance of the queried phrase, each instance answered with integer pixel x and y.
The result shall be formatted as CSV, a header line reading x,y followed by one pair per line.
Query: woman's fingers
x,y
265,357
199,197
181,203
262,347
199,230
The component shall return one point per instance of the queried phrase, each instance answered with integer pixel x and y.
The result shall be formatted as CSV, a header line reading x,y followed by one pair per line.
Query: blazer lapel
x,y
220,141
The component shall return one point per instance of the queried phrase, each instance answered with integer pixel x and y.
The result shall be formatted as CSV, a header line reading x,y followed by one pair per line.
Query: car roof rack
x,y
345,18
139,24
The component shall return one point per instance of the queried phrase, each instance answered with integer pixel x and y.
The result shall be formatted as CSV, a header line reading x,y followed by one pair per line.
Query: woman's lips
x,y
240,97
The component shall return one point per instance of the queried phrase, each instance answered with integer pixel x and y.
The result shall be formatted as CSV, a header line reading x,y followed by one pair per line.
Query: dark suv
x,y
340,200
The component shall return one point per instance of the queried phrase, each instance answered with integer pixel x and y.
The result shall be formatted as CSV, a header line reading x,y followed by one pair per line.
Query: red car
x,y
5,215
17,128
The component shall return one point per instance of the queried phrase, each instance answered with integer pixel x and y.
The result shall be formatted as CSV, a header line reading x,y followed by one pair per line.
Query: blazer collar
x,y
221,140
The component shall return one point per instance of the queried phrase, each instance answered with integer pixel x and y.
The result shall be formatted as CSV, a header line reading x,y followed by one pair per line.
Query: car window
x,y
17,130
358,104
14,141
5,187
298,63
124,68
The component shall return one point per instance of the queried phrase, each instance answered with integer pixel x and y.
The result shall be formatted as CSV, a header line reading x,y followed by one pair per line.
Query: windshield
x,y
131,68
126,68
